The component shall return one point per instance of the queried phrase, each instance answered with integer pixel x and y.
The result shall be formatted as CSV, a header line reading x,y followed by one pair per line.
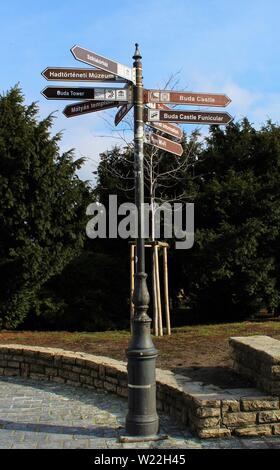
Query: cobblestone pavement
x,y
44,415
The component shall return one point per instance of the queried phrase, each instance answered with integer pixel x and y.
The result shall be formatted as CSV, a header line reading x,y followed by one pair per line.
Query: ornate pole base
x,y
142,418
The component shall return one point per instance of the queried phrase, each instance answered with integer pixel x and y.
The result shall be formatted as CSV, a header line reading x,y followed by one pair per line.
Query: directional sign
x,y
91,58
85,107
164,144
77,93
79,75
170,129
158,106
189,98
122,112
167,128
187,117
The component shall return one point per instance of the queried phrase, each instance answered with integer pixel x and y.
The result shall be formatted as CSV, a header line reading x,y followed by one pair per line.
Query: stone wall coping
x,y
102,360
263,345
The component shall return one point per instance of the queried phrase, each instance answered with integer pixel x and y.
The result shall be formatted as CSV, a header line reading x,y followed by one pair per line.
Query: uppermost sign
x,y
189,98
91,58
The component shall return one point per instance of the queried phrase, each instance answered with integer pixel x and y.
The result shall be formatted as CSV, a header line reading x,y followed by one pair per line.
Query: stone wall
x,y
208,410
258,357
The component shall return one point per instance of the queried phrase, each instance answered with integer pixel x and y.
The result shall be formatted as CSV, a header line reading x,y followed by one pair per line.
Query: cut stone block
x,y
258,358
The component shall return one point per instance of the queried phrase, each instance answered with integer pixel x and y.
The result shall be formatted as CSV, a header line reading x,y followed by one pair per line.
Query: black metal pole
x,y
142,419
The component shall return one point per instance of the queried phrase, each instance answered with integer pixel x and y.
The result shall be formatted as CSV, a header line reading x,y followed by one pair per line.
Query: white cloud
x,y
241,99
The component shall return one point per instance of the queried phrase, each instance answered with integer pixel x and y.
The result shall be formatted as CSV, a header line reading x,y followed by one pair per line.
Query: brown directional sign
x,y
188,98
85,107
158,106
100,62
79,75
122,112
170,129
77,93
164,144
187,117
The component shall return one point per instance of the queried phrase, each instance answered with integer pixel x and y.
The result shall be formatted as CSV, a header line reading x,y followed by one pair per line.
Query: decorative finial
x,y
137,54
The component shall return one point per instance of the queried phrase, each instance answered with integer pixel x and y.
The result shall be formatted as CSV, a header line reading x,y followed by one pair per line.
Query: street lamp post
x,y
142,419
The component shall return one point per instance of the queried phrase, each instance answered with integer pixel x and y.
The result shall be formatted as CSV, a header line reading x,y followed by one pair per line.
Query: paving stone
x,y
44,415
255,444
24,445
83,444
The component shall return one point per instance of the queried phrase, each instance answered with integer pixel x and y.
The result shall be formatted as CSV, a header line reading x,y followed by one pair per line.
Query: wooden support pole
x,y
158,293
166,293
132,269
154,291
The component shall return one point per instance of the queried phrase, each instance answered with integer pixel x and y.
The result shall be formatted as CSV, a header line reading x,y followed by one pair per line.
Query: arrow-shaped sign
x,y
164,144
77,93
167,128
91,58
189,98
122,112
187,117
79,75
85,107
170,129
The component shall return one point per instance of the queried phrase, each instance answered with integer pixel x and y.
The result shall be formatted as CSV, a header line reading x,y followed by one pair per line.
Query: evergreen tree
x,y
233,270
42,212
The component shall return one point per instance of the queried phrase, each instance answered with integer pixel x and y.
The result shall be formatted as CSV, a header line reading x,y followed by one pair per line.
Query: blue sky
x,y
217,45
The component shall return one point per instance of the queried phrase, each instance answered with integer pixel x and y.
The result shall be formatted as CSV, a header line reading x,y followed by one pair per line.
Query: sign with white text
x,y
79,75
164,144
91,58
77,93
122,112
188,98
187,117
85,107
167,128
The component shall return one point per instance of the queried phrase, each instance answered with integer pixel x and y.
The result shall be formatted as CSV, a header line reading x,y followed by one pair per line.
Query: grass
x,y
188,346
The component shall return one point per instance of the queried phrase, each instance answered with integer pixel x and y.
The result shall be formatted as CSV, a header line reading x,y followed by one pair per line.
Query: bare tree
x,y
158,182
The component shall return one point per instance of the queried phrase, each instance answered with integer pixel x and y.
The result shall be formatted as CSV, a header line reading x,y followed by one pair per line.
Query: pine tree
x,y
233,270
42,212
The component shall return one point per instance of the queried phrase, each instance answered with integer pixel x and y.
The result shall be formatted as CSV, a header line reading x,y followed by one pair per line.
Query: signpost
x,y
100,62
188,117
79,75
77,93
142,421
188,98
164,144
85,107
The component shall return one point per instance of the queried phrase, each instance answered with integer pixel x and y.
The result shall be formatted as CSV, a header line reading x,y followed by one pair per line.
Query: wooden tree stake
x,y
154,290
158,293
166,293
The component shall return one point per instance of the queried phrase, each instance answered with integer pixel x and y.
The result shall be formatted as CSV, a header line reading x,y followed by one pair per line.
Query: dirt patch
x,y
201,352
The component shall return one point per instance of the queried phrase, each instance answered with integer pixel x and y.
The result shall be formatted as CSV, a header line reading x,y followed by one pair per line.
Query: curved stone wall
x,y
208,410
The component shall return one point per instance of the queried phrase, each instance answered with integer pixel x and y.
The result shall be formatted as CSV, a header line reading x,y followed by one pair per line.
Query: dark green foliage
x,y
233,270
52,278
90,294
42,213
